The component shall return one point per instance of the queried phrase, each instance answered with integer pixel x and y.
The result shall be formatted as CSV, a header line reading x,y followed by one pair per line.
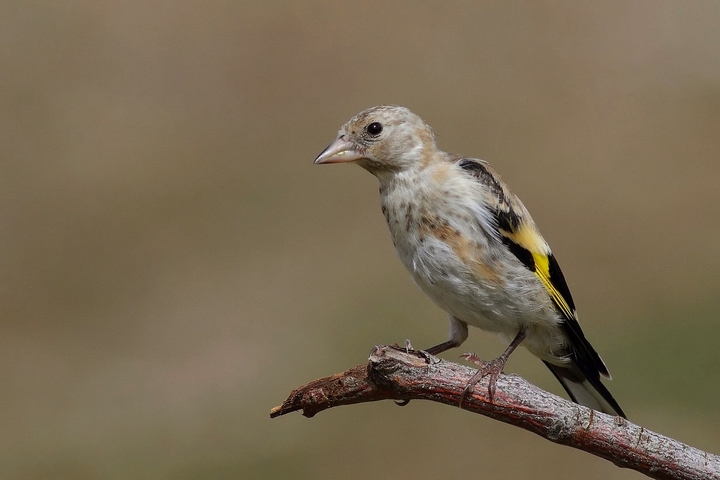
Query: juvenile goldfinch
x,y
472,247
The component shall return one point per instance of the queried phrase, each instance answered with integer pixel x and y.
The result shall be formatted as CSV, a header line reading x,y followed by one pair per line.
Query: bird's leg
x,y
458,334
493,368
438,349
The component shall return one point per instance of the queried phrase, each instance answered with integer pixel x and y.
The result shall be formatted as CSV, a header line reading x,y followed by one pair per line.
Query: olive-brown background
x,y
172,263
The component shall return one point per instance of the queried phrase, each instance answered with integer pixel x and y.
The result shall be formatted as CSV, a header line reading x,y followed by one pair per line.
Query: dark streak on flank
x,y
408,220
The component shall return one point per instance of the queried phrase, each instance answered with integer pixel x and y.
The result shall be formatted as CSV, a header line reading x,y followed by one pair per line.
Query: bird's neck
x,y
401,197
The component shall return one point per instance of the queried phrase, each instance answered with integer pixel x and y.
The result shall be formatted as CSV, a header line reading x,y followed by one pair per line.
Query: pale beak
x,y
340,151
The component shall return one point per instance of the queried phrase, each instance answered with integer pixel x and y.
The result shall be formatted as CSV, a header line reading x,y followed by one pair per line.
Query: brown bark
x,y
393,373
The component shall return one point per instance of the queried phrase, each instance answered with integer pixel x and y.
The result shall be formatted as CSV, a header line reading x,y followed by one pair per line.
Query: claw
x,y
429,359
471,357
491,369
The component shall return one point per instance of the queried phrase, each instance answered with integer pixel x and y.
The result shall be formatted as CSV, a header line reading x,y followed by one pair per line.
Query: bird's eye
x,y
374,129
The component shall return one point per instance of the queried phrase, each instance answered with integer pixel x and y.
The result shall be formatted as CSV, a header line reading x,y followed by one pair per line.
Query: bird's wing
x,y
518,231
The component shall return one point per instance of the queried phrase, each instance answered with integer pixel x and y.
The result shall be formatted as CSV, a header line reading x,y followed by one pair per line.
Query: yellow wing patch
x,y
542,270
529,239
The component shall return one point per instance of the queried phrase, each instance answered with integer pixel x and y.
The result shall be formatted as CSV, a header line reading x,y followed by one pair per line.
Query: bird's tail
x,y
585,389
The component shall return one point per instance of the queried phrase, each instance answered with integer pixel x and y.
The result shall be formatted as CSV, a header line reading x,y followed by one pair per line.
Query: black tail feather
x,y
584,387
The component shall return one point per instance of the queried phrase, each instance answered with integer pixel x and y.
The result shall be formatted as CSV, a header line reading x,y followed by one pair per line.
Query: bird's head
x,y
382,140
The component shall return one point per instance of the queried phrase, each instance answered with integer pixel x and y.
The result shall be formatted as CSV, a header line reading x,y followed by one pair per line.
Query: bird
x,y
472,247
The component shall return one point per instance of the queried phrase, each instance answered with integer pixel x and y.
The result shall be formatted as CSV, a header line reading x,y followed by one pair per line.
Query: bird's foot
x,y
491,369
407,346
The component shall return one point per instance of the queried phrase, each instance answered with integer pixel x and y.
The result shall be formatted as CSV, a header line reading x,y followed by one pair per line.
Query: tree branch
x,y
393,373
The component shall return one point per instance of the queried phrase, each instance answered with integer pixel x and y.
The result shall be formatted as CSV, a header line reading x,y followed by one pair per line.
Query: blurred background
x,y
173,265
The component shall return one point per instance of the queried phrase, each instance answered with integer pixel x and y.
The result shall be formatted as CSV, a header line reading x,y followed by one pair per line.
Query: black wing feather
x,y
582,353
